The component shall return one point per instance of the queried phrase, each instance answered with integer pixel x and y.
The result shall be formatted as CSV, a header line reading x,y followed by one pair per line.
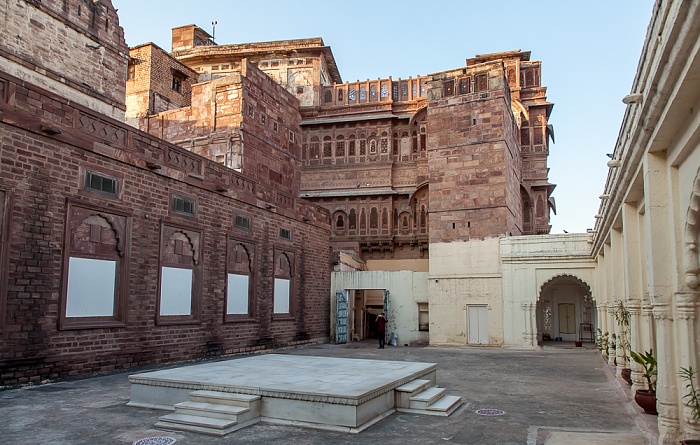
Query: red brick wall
x,y
75,42
474,160
40,170
250,105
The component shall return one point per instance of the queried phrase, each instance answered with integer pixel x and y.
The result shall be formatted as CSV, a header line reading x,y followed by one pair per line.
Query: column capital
x,y
662,311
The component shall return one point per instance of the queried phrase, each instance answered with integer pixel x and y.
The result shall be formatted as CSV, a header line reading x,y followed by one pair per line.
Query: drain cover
x,y
490,412
160,440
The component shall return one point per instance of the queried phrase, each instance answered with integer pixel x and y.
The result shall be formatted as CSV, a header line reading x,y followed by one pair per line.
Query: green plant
x,y
602,341
622,317
648,362
693,394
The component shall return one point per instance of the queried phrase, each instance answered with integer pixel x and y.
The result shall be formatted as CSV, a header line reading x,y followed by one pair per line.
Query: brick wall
x,y
152,90
474,160
41,165
73,46
252,119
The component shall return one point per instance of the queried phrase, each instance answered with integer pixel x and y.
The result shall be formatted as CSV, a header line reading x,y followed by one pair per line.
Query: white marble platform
x,y
321,392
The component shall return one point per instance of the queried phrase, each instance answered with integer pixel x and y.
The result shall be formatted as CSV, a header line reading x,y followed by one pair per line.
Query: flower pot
x,y
626,374
578,344
646,400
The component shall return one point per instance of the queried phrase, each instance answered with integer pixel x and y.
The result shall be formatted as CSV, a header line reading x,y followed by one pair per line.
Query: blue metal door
x,y
341,320
387,312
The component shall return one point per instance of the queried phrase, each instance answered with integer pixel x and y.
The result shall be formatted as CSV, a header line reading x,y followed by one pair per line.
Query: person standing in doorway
x,y
381,329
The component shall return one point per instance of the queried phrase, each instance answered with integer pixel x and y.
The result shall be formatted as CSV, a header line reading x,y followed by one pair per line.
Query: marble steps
x,y
212,412
418,396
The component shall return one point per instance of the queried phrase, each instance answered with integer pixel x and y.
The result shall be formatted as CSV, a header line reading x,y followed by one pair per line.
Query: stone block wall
x,y
152,88
474,159
252,125
73,46
42,166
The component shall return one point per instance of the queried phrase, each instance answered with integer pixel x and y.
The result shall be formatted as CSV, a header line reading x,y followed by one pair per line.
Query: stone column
x,y
619,277
529,332
686,310
660,261
666,400
633,283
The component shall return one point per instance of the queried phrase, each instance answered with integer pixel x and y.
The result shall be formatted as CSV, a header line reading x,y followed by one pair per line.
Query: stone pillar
x,y
633,283
660,261
666,400
614,342
529,322
686,310
619,277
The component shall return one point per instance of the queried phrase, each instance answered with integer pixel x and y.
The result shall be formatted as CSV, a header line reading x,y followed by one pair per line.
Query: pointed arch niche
x,y
565,309
180,276
95,268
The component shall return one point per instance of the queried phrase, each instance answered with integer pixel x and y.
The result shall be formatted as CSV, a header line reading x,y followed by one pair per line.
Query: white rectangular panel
x,y
237,294
91,287
176,291
281,296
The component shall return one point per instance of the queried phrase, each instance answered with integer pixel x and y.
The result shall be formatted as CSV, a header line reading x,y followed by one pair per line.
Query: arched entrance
x,y
565,309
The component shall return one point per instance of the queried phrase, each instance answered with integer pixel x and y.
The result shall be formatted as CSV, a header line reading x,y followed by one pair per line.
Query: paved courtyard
x,y
559,395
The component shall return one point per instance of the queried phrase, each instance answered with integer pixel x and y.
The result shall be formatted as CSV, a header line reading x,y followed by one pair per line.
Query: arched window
x,y
373,92
328,96
239,287
385,219
363,93
283,290
363,220
340,222
340,147
327,147
404,91
351,94
373,218
384,91
340,95
353,220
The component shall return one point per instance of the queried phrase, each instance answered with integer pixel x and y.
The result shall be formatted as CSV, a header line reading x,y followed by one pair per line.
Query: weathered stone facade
x,y
101,224
74,47
156,82
399,163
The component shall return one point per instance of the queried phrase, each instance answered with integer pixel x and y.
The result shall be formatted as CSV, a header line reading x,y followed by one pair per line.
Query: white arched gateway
x,y
548,284
565,310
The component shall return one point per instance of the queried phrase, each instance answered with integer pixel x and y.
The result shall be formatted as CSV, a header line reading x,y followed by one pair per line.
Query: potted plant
x,y
691,398
602,342
646,398
622,317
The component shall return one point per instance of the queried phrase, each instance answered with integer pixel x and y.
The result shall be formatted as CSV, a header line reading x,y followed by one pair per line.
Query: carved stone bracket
x,y
690,237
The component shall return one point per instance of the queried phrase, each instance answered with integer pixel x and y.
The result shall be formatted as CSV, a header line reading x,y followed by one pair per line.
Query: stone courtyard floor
x,y
558,395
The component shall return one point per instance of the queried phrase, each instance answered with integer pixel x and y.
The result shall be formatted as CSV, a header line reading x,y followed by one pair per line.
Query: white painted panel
x,y
478,329
176,291
281,296
237,295
91,286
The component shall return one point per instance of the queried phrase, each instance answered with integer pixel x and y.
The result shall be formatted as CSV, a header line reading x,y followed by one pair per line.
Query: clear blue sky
x,y
589,52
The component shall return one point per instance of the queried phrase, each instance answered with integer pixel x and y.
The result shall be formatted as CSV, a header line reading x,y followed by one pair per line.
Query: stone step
x,y
230,412
426,398
224,398
198,424
403,393
445,406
